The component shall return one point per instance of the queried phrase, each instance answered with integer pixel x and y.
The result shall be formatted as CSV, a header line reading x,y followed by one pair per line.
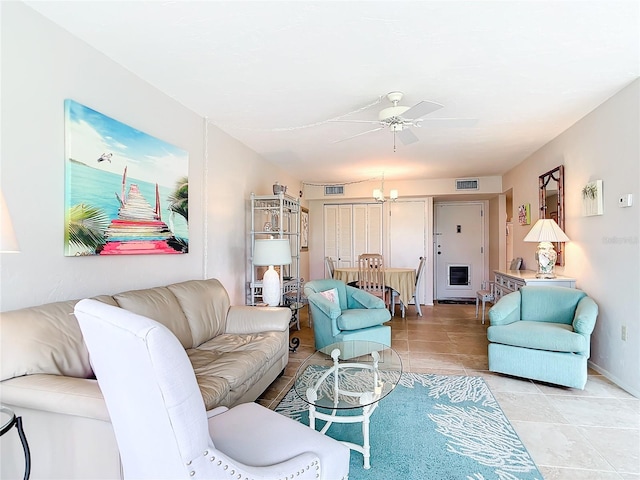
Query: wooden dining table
x,y
402,280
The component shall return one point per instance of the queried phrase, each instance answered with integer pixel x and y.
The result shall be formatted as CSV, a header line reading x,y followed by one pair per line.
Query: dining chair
x,y
331,265
487,293
371,276
416,292
159,419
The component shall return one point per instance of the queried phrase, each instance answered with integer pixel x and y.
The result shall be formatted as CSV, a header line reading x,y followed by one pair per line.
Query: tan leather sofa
x,y
236,353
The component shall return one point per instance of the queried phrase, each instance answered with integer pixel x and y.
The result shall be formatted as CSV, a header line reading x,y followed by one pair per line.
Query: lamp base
x,y
271,287
546,257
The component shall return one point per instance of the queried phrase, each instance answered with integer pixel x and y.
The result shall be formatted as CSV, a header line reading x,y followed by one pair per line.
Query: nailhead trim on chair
x,y
239,476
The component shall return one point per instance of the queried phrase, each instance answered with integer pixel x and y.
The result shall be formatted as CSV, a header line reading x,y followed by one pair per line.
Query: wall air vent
x,y
467,184
334,190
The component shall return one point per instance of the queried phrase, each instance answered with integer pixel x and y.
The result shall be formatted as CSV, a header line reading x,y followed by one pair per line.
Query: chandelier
x,y
378,193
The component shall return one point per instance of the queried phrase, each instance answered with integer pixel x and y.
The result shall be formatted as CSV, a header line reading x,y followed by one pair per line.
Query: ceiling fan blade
x,y
407,137
357,135
355,121
421,109
449,122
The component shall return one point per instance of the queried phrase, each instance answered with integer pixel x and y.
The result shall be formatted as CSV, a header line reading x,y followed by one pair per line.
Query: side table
x,y
296,302
8,419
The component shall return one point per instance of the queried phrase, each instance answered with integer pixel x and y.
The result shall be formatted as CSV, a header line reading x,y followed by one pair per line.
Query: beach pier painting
x,y
126,191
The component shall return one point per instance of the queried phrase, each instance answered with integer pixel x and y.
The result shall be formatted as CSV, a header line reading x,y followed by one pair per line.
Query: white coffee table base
x,y
367,399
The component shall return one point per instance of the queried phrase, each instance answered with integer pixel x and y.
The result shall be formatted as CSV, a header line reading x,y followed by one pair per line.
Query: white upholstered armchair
x,y
159,417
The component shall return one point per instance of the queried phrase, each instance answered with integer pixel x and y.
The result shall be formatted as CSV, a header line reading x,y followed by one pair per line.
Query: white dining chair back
x,y
416,291
331,265
371,275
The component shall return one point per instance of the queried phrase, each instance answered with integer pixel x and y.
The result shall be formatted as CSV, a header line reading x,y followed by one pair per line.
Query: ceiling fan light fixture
x,y
391,112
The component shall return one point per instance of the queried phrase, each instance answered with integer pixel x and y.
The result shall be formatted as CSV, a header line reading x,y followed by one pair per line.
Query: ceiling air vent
x,y
467,184
334,190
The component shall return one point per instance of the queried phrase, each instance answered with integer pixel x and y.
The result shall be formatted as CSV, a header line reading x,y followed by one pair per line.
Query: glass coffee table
x,y
346,376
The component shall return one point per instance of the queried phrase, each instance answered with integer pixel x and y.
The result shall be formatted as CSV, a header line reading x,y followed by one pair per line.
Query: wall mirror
x,y
551,201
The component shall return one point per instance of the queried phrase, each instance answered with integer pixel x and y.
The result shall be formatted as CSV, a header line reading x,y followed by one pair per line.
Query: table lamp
x,y
270,252
8,241
545,232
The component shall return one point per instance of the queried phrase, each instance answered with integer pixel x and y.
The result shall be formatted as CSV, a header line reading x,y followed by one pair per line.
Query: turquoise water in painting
x,y
98,189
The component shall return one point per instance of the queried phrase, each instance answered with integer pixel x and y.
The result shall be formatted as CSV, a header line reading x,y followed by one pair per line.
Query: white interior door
x,y
459,250
407,235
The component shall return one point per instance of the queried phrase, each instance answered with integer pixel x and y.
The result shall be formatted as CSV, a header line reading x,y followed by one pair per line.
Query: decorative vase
x,y
277,188
547,257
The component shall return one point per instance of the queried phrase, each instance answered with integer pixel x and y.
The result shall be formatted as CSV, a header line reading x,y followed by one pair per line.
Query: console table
x,y
507,281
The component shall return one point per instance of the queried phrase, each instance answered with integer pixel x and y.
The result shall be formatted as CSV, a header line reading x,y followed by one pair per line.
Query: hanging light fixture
x,y
378,193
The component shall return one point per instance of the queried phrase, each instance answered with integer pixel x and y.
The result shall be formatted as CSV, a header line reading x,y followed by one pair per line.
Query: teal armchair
x,y
542,333
357,315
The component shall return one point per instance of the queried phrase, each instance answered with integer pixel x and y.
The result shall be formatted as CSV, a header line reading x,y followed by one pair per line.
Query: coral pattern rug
x,y
433,427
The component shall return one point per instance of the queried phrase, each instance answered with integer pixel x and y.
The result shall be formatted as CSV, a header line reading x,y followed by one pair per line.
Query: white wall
x,y
604,253
41,66
234,173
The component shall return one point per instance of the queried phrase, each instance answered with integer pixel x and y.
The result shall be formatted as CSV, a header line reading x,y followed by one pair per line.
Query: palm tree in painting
x,y
85,228
179,199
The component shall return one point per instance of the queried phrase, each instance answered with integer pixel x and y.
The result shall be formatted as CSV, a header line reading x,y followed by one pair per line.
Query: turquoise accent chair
x,y
542,333
359,316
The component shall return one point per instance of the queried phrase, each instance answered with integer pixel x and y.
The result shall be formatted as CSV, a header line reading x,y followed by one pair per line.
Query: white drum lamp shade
x,y
546,231
8,241
274,251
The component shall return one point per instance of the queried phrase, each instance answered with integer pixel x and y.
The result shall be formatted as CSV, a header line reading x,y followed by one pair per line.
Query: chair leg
x,y
483,304
477,301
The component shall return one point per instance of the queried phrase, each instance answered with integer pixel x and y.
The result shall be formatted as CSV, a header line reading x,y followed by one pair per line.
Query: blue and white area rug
x,y
433,427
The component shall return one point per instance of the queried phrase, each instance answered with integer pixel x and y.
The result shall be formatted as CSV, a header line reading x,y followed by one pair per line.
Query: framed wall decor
x,y
592,200
304,229
524,214
126,192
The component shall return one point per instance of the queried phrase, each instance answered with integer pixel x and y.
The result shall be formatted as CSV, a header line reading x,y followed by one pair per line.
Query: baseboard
x,y
614,379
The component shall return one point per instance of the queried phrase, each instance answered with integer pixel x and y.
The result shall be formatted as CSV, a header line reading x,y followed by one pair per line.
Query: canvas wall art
x,y
126,192
524,214
592,200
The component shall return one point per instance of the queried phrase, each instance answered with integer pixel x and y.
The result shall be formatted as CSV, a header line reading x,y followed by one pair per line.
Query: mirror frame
x,y
557,174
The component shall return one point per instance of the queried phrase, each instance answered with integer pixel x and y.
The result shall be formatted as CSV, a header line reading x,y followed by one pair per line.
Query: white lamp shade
x,y
274,251
377,194
8,241
546,230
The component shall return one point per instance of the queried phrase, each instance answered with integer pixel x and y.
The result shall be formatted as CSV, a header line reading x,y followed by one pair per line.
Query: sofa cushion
x,y
235,358
555,337
161,305
205,304
355,319
43,339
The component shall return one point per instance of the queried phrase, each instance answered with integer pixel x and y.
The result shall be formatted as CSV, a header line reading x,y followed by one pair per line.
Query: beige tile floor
x,y
590,434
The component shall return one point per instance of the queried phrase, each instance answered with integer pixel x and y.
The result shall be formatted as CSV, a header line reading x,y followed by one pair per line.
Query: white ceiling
x,y
272,74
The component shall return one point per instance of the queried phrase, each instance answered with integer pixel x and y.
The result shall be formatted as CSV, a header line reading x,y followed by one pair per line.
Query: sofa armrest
x,y
584,320
364,299
80,397
506,310
326,306
247,319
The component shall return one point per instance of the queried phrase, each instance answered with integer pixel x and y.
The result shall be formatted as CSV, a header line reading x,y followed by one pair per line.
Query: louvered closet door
x,y
352,229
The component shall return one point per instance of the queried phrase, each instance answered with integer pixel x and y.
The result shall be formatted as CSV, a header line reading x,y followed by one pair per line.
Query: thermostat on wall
x,y
625,200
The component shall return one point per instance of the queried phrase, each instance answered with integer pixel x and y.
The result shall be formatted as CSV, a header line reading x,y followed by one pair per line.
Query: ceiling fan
x,y
398,119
